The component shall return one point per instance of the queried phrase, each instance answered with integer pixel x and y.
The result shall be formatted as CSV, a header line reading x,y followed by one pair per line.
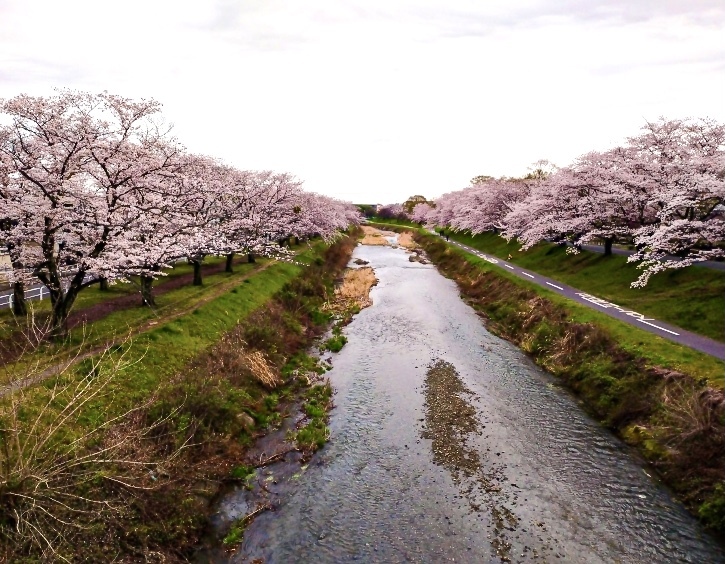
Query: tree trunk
x,y
19,305
147,297
104,284
59,330
62,298
197,272
228,267
608,247
250,257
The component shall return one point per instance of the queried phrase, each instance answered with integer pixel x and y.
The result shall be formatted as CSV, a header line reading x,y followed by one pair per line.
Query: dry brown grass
x,y
406,240
356,285
375,236
260,367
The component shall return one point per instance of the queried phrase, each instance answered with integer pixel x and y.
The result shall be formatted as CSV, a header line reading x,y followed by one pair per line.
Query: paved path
x,y
665,330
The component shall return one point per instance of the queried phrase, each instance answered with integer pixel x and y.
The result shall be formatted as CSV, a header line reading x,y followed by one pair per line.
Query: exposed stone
x,y
245,420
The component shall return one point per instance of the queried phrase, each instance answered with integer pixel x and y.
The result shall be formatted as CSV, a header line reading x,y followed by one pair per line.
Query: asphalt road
x,y
659,328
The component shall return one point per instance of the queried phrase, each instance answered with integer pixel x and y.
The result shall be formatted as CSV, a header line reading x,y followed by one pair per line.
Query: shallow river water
x,y
552,486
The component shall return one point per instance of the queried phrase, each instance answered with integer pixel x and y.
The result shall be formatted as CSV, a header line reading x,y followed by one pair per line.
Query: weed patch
x,y
313,435
334,344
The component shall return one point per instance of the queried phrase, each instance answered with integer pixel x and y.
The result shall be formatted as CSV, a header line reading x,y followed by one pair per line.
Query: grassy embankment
x,y
692,298
119,460
399,222
664,399
112,324
93,295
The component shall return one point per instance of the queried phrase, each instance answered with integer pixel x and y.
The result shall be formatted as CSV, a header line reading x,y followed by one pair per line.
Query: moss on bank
x,y
675,419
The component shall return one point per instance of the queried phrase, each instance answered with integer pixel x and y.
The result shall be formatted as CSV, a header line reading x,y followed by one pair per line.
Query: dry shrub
x,y
70,461
690,412
537,310
691,425
577,340
237,362
260,368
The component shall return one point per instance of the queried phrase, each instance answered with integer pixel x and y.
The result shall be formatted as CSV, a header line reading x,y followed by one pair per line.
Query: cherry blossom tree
x,y
684,161
392,211
483,206
200,210
315,214
446,208
413,201
660,191
78,163
576,204
258,207
93,187
421,212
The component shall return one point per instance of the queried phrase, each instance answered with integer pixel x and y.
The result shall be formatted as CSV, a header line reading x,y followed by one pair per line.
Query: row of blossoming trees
x,y
94,188
663,191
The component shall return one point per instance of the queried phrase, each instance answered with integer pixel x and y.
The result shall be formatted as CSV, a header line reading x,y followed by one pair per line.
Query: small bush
x,y
335,343
262,337
712,512
314,435
242,472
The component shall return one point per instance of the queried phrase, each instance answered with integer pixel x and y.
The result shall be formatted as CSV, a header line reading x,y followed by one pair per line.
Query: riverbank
x,y
674,419
121,455
521,472
273,464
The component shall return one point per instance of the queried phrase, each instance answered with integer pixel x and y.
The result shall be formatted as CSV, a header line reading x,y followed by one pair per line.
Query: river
x,y
536,479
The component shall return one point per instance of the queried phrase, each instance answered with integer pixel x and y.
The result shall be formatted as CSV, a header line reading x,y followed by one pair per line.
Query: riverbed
x,y
522,475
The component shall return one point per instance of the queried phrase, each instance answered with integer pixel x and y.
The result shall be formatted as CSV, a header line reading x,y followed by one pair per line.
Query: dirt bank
x,y
374,236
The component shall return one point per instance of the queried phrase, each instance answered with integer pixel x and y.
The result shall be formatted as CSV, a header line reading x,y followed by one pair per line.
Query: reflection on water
x,y
375,494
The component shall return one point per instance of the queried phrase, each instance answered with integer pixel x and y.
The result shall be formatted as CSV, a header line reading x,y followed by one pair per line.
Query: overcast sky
x,y
376,100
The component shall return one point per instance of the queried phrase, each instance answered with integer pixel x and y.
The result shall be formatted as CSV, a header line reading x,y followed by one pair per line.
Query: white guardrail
x,y
32,294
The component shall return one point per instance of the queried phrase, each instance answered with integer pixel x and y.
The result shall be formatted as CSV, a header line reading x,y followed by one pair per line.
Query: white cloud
x,y
376,100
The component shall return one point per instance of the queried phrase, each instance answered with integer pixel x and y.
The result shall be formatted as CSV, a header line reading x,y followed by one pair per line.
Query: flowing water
x,y
541,481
